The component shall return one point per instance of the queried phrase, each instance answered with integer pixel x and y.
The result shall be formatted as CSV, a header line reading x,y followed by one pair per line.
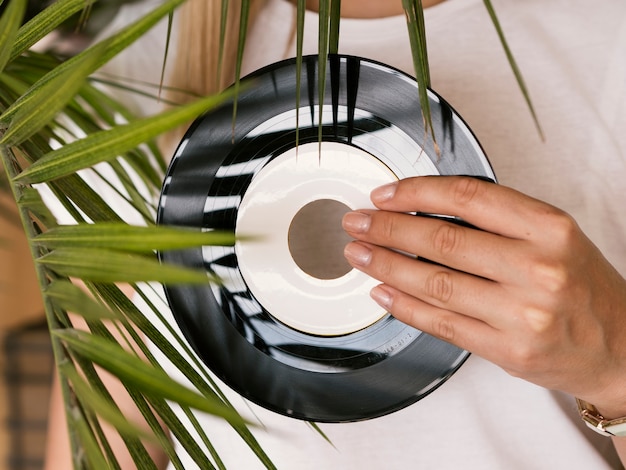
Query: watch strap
x,y
594,419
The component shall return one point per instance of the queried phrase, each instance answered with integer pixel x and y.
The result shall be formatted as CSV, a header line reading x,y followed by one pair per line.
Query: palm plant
x,y
56,123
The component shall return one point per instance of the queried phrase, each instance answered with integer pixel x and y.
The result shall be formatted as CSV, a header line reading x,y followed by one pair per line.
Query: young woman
x,y
540,304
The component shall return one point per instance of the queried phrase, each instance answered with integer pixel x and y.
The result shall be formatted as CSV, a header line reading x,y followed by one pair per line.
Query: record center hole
x,y
316,239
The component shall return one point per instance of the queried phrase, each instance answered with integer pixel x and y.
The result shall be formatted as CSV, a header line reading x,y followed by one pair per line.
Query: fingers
x,y
465,249
459,287
432,284
463,331
526,289
491,207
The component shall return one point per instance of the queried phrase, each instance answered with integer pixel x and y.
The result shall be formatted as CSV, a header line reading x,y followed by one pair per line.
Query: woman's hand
x,y
528,291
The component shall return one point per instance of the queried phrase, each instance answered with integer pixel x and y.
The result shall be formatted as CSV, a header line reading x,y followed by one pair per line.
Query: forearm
x,y
58,449
58,453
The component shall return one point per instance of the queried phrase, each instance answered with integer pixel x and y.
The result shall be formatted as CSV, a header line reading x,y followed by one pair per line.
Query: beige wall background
x,y
20,299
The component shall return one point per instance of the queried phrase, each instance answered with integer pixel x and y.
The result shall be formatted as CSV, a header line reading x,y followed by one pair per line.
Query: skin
x,y
529,292
370,8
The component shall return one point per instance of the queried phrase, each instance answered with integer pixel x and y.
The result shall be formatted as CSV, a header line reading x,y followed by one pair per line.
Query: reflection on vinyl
x,y
292,326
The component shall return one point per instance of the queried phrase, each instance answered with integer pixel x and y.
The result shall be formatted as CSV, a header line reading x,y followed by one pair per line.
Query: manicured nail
x,y
358,254
382,297
384,193
357,222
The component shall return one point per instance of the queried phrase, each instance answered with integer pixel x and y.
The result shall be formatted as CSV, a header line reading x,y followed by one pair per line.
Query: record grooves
x,y
371,115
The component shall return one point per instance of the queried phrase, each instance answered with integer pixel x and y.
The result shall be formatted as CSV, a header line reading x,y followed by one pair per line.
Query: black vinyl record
x,y
369,108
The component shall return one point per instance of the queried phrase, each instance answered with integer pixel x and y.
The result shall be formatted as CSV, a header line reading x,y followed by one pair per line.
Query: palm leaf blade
x,y
9,24
417,38
103,50
100,405
46,22
130,238
335,20
513,63
91,455
108,144
241,44
180,431
99,265
188,365
72,298
138,374
45,100
323,45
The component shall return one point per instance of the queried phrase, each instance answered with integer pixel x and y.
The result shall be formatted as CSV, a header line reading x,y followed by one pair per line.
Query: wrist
x,y
611,412
612,405
608,393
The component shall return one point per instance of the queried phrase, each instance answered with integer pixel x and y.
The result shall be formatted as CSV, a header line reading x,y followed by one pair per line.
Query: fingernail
x,y
384,193
357,222
382,297
358,254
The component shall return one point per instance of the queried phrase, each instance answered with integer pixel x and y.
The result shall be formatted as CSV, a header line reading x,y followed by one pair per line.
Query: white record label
x,y
284,186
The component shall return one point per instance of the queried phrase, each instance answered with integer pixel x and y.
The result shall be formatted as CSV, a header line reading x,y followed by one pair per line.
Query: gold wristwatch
x,y
592,418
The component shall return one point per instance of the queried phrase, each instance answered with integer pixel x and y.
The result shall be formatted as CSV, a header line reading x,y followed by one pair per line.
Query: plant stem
x,y
11,167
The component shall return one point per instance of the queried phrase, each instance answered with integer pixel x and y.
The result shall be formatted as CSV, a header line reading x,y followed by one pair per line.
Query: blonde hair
x,y
196,69
198,45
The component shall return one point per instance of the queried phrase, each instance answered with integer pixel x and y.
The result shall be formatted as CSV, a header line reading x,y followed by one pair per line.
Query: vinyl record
x,y
306,343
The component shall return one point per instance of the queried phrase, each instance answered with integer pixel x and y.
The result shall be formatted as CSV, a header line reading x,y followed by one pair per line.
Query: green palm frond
x,y
108,144
243,30
9,25
41,25
417,37
300,13
513,63
52,118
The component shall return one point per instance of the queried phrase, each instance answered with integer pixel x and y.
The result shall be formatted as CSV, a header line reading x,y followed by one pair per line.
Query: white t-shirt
x,y
572,56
